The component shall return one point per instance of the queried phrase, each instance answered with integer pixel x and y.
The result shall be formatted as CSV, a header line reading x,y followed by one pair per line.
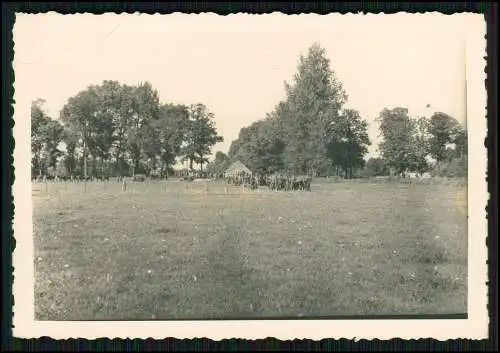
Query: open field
x,y
174,250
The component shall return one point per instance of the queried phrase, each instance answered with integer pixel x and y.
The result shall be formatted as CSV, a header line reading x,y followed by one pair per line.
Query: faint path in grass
x,y
237,288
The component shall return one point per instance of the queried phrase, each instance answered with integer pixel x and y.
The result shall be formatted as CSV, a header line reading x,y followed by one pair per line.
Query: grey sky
x,y
237,64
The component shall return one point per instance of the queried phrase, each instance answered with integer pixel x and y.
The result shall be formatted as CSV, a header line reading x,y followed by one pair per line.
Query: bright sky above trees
x,y
236,65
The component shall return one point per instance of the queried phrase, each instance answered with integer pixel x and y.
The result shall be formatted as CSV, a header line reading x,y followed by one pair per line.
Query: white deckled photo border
x,y
474,327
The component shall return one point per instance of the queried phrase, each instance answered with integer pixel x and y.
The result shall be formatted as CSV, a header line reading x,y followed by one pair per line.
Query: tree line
x,y
116,129
311,132
420,144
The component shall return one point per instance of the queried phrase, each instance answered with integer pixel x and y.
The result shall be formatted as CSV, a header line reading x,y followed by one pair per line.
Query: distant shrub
x,y
455,168
374,167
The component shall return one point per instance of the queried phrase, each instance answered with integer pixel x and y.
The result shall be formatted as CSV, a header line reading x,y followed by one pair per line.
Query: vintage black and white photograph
x,y
251,167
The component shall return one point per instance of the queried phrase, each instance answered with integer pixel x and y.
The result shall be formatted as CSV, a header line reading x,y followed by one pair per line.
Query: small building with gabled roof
x,y
237,168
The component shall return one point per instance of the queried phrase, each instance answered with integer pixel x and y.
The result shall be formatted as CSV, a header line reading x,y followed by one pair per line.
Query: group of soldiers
x,y
275,182
289,182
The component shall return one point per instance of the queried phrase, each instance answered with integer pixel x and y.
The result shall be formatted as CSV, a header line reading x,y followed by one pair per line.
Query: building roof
x,y
236,168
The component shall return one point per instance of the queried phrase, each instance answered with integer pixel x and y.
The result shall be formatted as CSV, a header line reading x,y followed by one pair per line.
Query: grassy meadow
x,y
177,250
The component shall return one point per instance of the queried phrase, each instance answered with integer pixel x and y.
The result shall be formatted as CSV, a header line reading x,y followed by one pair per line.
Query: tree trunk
x,y
94,166
72,164
136,165
85,164
118,162
350,172
39,162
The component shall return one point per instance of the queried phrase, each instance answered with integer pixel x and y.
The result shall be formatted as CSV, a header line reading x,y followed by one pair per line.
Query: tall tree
x,y
53,134
71,140
244,148
313,103
46,135
81,114
38,120
259,146
348,142
420,146
145,108
397,130
107,116
122,121
442,129
201,135
171,130
271,147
